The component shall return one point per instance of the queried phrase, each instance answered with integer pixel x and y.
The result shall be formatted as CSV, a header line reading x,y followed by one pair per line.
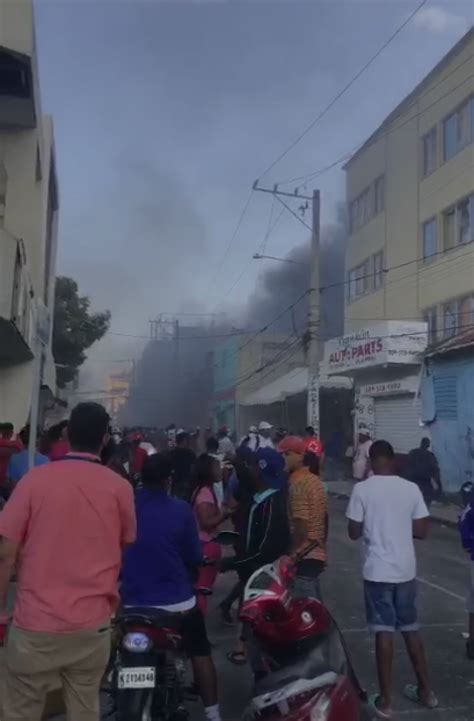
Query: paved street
x,y
442,580
442,575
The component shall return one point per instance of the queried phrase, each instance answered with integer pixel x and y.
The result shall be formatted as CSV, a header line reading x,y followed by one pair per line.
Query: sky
x,y
167,111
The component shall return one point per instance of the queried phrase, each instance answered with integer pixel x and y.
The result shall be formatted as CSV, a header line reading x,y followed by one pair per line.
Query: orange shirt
x,y
308,502
71,519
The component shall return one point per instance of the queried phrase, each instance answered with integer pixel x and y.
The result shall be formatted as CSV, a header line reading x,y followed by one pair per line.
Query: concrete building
x,y
241,366
448,407
410,256
28,217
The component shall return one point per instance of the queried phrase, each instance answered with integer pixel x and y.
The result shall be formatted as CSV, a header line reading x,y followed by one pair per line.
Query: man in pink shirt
x,y
64,529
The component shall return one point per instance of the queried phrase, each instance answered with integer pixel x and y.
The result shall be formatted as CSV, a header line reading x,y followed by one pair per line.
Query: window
x,y
379,191
458,224
449,228
458,129
430,239
368,204
431,318
378,270
450,319
430,151
466,312
351,285
358,281
362,281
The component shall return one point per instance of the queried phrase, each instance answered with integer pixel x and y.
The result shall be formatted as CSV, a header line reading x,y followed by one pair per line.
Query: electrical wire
x,y
231,240
376,136
346,87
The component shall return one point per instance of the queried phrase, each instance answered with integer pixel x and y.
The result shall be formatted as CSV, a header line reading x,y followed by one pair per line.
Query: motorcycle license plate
x,y
136,678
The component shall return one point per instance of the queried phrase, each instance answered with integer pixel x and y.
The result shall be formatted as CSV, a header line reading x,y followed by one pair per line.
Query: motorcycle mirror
x,y
226,538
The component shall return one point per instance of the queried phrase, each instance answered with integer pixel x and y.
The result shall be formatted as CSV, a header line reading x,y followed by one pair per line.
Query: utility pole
x,y
314,318
314,354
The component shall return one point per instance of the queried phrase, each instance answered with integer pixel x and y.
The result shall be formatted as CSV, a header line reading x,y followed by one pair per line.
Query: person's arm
x,y
128,518
190,543
355,515
208,512
14,520
420,516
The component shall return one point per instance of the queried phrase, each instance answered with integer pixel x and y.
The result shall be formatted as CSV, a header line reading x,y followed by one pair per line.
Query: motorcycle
x,y
148,668
305,672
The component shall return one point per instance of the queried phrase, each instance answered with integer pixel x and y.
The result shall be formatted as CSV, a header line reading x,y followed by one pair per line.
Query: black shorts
x,y
194,634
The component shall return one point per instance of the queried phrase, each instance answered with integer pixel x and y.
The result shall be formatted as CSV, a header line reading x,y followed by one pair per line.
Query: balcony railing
x,y
16,302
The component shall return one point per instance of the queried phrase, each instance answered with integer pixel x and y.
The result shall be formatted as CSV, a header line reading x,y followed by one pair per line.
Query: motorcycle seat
x,y
150,616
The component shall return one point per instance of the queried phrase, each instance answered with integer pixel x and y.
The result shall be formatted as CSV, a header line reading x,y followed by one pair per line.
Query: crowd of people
x,y
106,521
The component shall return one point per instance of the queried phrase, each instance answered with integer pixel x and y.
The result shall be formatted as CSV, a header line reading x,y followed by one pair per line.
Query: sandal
x,y
238,658
374,709
411,693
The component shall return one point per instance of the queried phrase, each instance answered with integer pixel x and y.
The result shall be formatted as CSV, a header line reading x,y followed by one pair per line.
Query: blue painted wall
x,y
226,365
451,382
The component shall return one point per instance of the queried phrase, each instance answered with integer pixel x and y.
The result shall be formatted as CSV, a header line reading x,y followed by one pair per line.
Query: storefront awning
x,y
290,384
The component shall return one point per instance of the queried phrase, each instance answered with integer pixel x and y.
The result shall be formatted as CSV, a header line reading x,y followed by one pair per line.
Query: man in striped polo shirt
x,y
308,510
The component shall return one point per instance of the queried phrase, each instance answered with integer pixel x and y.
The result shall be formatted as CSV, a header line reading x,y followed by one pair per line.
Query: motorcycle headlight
x,y
322,709
137,642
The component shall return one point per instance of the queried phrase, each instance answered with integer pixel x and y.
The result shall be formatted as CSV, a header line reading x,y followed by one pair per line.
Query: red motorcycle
x,y
304,669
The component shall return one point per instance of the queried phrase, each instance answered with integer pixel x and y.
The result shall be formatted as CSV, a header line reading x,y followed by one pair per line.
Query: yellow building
x,y
410,256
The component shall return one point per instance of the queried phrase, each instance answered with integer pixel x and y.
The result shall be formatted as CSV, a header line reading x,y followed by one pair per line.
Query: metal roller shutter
x,y
397,420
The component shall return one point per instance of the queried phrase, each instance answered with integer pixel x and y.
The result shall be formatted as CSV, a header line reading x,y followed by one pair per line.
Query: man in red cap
x,y
308,516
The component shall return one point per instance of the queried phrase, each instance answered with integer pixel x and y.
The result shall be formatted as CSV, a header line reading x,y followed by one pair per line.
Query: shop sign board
x,y
382,344
391,388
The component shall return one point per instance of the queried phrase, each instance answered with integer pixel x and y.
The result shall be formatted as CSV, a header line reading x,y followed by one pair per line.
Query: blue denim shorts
x,y
391,606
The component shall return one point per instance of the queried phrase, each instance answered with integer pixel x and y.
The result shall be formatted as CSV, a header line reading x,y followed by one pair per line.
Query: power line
x,y
290,210
379,136
342,92
231,241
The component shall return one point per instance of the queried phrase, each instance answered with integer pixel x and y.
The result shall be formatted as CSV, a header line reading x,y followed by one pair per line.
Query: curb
x,y
437,519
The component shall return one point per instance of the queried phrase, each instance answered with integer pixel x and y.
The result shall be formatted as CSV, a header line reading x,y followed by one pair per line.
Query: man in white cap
x,y
265,435
250,440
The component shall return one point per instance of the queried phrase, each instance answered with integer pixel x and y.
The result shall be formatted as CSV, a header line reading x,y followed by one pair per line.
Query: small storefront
x,y
384,361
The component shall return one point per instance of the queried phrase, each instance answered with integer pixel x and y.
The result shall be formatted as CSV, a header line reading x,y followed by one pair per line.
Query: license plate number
x,y
136,678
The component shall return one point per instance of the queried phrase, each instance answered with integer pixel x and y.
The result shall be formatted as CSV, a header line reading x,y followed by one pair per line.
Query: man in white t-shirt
x,y
387,512
265,430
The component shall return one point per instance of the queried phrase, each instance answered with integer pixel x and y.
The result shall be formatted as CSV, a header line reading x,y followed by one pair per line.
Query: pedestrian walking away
x,y
388,512
422,468
64,530
161,567
466,526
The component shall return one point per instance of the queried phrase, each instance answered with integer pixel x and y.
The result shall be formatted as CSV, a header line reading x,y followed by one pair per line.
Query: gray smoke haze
x,y
282,283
